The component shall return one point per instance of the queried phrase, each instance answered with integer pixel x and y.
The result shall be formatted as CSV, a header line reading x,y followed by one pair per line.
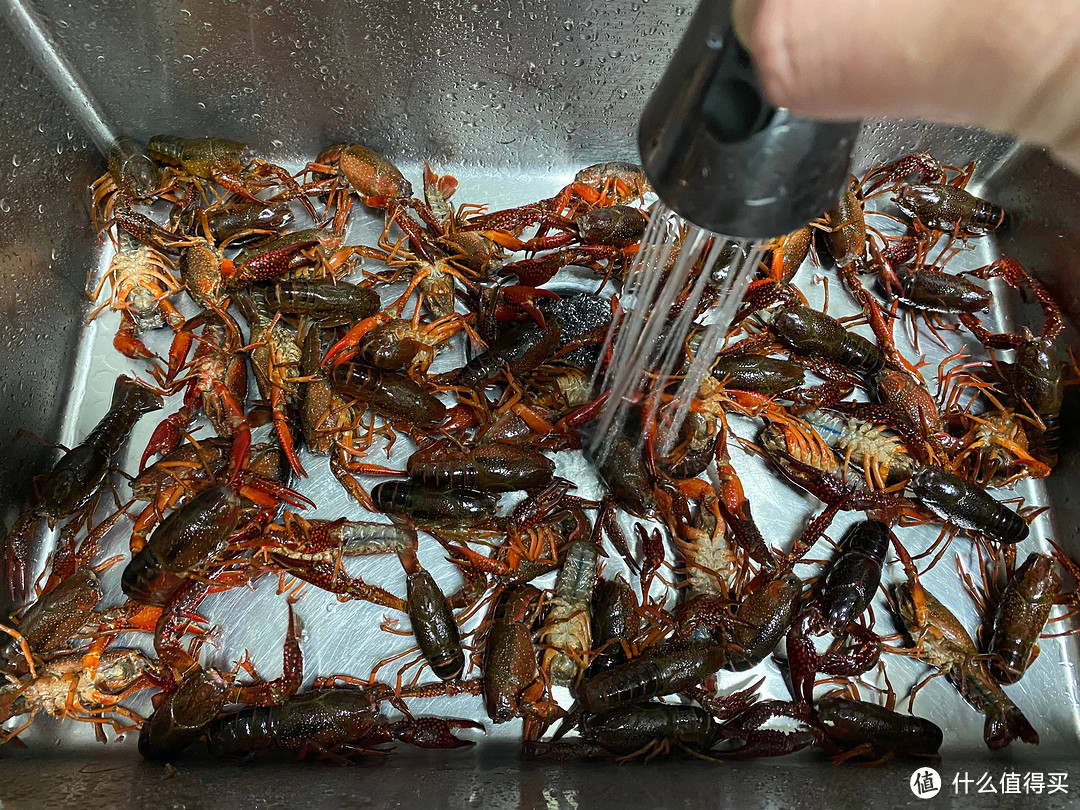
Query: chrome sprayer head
x,y
718,154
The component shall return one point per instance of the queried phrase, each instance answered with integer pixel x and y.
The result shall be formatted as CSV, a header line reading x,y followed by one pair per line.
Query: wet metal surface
x,y
512,99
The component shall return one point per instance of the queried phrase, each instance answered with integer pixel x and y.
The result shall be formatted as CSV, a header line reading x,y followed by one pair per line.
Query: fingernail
x,y
743,14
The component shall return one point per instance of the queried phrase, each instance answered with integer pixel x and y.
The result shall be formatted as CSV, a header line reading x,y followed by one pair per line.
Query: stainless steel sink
x,y
513,98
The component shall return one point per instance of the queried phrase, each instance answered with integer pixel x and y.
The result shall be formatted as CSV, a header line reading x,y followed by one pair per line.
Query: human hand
x,y
1006,65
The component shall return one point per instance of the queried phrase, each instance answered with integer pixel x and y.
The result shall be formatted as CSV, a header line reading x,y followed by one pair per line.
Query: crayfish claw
x,y
432,732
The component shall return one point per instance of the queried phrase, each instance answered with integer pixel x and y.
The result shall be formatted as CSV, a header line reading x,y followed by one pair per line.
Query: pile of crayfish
x,y
245,272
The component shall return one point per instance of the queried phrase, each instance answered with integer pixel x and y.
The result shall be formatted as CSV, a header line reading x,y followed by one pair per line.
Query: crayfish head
x,y
911,605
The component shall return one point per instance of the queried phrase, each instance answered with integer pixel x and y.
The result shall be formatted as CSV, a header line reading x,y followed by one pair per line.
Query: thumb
x,y
1006,65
